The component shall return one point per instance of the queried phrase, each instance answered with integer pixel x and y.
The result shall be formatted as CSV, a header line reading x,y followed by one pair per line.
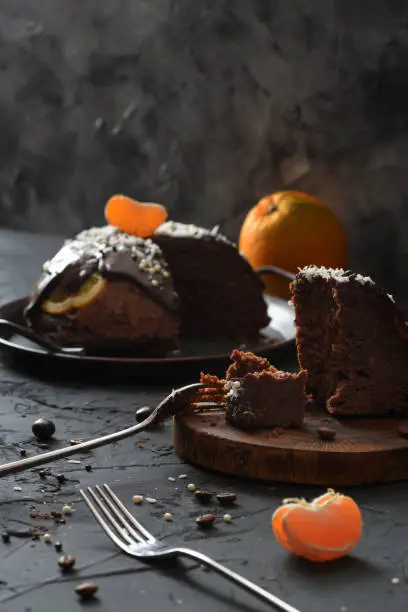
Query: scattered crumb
x,y
168,516
67,509
227,518
171,479
47,538
150,500
183,476
191,487
74,461
17,489
395,580
137,499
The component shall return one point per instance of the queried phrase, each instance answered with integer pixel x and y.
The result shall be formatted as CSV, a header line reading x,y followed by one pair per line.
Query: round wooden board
x,y
364,450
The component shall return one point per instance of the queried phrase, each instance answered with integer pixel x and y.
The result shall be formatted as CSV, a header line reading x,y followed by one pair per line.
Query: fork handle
x,y
246,584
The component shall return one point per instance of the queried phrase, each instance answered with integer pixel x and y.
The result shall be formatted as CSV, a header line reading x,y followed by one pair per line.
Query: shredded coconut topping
x,y
337,274
188,230
364,280
146,254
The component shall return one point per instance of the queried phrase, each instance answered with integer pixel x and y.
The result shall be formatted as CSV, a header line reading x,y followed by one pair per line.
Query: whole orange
x,y
290,229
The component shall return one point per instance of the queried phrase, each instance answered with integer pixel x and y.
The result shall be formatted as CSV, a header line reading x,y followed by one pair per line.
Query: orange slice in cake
x,y
60,302
137,218
327,528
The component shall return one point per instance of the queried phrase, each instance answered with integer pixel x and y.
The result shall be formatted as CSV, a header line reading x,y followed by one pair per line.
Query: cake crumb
x,y
395,580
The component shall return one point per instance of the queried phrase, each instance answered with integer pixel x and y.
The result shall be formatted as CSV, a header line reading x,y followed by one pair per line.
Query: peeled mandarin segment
x,y
56,307
327,531
89,291
140,219
277,529
60,302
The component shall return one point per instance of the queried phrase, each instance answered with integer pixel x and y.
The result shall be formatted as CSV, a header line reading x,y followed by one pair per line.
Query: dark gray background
x,y
206,106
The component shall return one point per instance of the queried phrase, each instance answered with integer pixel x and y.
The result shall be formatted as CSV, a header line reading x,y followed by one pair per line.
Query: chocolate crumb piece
x,y
5,536
35,535
56,514
76,441
205,521
403,431
325,433
61,478
58,546
42,474
88,468
203,495
66,562
62,521
23,452
86,590
226,499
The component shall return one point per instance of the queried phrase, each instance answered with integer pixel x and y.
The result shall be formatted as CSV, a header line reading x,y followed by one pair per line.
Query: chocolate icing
x,y
113,255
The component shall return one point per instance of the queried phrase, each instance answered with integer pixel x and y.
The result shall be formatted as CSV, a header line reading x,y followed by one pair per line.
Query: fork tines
x,y
115,519
211,393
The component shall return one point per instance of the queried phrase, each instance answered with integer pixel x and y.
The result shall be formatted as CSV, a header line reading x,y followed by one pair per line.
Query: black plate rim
x,y
18,304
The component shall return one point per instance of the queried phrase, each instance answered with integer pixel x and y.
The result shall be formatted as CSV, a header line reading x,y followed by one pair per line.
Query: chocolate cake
x,y
220,295
259,396
353,342
109,291
135,308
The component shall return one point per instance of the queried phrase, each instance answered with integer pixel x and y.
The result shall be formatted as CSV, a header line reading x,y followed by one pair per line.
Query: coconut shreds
x,y
339,275
188,230
91,242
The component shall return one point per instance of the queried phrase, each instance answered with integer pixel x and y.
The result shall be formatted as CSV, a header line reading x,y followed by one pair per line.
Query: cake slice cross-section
x,y
353,341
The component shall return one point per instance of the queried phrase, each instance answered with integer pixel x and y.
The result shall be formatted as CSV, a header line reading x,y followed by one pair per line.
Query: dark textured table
x,y
373,579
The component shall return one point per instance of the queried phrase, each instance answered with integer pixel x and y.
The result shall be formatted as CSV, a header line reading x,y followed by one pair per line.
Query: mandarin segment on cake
x,y
258,395
136,308
111,291
220,294
352,340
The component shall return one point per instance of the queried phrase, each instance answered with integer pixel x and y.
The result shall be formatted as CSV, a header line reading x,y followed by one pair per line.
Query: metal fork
x,y
175,403
131,537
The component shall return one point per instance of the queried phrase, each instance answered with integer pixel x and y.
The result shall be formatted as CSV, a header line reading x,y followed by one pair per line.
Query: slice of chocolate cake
x,y
258,396
220,295
363,371
109,292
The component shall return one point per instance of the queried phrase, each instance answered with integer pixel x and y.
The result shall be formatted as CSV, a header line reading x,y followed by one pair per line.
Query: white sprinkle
x,y
188,230
47,538
395,580
171,479
168,516
183,476
227,518
391,297
150,500
18,489
74,461
364,280
336,274
67,509
137,499
191,486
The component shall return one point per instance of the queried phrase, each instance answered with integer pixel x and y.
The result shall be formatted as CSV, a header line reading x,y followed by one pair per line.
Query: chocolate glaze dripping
x,y
75,263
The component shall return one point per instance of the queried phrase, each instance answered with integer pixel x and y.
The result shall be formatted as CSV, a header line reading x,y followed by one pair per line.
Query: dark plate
x,y
193,357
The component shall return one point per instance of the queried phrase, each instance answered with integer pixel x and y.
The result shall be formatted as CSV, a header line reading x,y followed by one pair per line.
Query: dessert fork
x,y
176,402
134,540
